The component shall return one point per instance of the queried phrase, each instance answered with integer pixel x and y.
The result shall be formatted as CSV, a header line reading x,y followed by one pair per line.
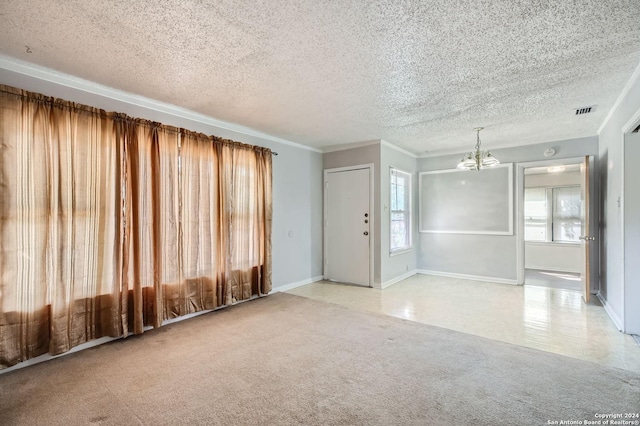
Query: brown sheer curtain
x,y
109,224
151,222
60,226
225,221
202,256
246,209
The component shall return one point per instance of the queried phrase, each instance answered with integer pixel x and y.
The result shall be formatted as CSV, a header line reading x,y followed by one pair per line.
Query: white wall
x,y
551,179
612,289
492,257
561,257
297,170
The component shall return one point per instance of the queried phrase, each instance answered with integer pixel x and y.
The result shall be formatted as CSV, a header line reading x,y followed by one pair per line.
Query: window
x,y
567,223
400,210
552,214
535,214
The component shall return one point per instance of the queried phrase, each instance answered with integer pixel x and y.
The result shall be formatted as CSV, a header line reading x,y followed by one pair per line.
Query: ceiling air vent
x,y
585,110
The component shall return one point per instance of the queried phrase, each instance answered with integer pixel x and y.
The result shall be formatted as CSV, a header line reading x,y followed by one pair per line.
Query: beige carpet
x,y
285,359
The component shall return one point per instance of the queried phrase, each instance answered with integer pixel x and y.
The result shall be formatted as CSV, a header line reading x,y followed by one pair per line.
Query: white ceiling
x,y
418,74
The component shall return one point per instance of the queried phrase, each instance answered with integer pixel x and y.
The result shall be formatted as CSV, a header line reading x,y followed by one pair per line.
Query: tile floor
x,y
565,280
551,319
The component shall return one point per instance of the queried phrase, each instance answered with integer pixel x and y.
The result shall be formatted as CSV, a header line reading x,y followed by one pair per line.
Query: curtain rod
x,y
33,96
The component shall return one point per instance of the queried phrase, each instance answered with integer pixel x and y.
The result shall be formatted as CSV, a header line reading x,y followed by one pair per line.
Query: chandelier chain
x,y
479,159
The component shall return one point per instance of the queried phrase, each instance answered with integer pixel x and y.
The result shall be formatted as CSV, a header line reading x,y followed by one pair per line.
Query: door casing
x,y
593,220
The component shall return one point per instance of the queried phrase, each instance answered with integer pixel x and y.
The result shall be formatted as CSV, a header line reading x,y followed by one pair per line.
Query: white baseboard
x,y
468,277
107,339
47,357
291,286
399,278
616,320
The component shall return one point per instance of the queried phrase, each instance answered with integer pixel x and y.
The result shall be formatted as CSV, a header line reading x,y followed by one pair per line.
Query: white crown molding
x,y
635,76
456,151
397,148
59,78
352,145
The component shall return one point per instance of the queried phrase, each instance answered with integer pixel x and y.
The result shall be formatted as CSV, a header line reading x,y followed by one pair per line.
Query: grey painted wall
x,y
297,213
369,154
386,267
297,179
491,256
611,172
632,234
398,264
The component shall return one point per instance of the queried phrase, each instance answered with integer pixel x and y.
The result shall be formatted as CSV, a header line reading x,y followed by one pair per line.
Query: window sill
x,y
400,251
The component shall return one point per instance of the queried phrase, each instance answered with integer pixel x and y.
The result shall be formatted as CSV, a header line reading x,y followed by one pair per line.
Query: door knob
x,y
582,237
366,233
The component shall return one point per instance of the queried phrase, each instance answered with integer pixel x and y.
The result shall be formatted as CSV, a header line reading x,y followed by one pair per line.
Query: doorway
x,y
555,225
348,230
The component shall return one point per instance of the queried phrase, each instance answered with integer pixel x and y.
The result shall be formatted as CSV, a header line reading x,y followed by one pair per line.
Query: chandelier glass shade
x,y
478,159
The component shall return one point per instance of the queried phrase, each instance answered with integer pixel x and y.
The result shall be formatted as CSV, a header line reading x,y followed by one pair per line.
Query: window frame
x,y
550,204
543,196
408,212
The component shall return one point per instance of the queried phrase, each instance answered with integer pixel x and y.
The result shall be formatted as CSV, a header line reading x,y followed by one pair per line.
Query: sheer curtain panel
x,y
60,226
246,219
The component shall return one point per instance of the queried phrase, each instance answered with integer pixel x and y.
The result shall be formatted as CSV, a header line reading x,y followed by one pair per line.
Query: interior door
x,y
347,226
586,238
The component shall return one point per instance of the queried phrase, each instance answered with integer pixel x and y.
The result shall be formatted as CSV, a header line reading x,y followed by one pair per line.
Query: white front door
x,y
348,226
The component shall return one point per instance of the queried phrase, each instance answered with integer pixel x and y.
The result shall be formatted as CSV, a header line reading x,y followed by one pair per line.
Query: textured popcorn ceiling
x,y
418,74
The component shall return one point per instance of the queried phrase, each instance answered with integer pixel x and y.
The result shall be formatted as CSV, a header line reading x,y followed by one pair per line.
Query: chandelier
x,y
479,159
